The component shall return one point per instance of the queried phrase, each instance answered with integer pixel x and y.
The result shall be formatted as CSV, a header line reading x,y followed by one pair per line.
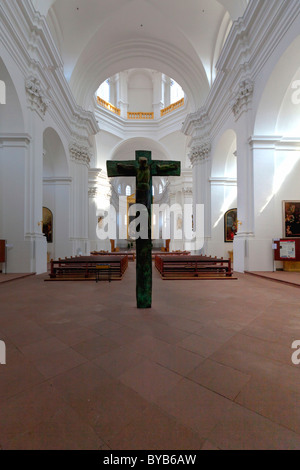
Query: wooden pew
x,y
131,254
172,253
89,268
193,267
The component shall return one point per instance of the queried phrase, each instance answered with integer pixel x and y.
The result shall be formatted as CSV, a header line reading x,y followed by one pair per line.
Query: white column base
x,y
252,254
27,256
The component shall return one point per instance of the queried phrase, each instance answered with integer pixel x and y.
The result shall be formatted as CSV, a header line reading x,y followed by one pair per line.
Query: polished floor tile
x,y
208,367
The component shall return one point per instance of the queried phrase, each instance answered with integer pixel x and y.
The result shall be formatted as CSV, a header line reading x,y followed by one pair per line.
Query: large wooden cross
x,y
143,168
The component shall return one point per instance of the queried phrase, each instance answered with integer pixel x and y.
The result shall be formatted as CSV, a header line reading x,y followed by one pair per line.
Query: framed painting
x,y
48,224
291,217
230,225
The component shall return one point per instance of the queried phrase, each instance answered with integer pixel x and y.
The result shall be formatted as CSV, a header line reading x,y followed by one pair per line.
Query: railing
x,y
172,107
140,115
108,106
131,115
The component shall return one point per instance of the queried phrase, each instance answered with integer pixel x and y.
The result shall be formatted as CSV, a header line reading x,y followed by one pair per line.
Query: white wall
x,y
105,143
140,93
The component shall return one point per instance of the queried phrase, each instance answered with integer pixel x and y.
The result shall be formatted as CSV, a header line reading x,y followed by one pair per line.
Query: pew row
x,y
170,253
89,268
131,254
193,267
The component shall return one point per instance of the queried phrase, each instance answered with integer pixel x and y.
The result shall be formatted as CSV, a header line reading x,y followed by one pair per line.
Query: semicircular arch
x,y
224,164
277,91
55,156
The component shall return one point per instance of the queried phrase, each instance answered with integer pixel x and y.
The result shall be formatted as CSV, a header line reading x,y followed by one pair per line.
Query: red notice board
x,y
287,249
2,251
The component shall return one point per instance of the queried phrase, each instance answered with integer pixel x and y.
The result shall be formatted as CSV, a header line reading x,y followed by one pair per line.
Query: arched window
x,y
153,191
2,92
119,189
128,190
160,189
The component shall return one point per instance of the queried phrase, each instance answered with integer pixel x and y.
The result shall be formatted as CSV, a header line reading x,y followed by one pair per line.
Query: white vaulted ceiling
x,y
181,38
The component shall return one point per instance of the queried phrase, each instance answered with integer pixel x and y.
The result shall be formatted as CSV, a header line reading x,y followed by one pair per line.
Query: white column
x,y
122,94
37,104
19,213
198,126
99,202
201,164
157,94
187,200
79,198
223,198
273,160
167,91
56,197
245,190
171,218
113,89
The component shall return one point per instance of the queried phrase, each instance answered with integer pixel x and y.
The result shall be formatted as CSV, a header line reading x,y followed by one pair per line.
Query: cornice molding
x,y
215,181
57,180
15,140
275,143
197,124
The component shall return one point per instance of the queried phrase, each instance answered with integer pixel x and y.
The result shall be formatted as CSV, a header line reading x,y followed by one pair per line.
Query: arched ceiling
x,y
98,38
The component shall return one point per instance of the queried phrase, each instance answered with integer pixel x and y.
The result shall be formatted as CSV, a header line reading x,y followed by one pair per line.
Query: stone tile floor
x,y
208,367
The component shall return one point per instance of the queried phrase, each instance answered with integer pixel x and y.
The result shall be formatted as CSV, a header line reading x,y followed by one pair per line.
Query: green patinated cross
x,y
143,168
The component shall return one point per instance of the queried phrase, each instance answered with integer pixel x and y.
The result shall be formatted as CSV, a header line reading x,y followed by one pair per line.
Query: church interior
x,y
209,91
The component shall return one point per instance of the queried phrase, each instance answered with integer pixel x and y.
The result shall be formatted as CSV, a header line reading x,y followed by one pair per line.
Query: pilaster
x,y
80,159
242,110
198,126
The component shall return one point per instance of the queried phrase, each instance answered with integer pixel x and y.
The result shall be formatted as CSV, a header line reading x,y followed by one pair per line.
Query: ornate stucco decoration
x,y
200,152
93,192
188,192
243,97
36,96
80,154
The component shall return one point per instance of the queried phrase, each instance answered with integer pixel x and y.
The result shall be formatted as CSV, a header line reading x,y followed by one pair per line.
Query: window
x,y
177,92
119,189
2,92
153,190
128,190
160,189
103,91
